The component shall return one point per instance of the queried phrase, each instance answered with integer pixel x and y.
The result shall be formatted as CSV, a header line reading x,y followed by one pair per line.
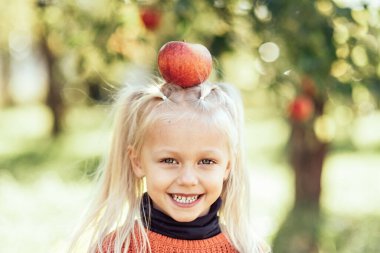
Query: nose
x,y
187,176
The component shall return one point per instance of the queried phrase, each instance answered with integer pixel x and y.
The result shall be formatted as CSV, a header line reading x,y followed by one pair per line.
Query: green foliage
x,y
336,46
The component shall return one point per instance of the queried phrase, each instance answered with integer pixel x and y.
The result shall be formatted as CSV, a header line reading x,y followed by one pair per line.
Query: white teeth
x,y
183,199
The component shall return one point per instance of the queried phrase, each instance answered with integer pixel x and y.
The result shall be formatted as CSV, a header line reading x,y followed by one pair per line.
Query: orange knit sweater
x,y
163,244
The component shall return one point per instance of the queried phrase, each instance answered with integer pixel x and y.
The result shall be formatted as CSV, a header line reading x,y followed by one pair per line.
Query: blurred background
x,y
309,73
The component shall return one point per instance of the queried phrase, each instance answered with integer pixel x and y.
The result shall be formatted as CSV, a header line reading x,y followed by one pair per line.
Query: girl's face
x,y
185,163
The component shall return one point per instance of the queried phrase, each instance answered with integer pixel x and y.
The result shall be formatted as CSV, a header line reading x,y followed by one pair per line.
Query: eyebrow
x,y
175,152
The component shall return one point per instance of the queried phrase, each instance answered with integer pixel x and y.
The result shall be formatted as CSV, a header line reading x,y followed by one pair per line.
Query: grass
x,y
39,216
45,184
27,151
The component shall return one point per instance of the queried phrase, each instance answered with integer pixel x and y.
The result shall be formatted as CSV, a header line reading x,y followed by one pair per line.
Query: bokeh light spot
x,y
341,34
269,52
360,16
339,68
324,7
343,51
359,56
325,128
263,13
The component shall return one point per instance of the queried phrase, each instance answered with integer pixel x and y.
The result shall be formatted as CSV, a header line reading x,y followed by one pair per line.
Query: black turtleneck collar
x,y
201,228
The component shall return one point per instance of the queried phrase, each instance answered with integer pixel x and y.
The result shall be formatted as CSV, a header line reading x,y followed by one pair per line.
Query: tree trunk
x,y
307,155
300,231
5,97
54,94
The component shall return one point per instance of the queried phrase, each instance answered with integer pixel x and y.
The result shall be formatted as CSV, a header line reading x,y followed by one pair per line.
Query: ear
x,y
135,162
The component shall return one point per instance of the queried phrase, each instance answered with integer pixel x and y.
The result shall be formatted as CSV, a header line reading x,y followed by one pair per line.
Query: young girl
x,y
175,179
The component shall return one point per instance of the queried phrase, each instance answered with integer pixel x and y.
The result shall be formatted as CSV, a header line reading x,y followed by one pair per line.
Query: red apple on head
x,y
301,109
184,64
151,18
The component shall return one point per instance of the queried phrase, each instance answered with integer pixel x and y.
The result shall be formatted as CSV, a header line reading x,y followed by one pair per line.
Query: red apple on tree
x,y
151,18
301,108
184,64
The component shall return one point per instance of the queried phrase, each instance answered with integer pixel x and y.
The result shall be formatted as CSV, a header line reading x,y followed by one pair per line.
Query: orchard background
x,y
309,73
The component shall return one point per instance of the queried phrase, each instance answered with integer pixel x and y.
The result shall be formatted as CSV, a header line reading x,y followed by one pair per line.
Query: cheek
x,y
158,180
214,180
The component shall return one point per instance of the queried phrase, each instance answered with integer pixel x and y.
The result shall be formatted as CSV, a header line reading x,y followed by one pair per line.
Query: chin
x,y
184,218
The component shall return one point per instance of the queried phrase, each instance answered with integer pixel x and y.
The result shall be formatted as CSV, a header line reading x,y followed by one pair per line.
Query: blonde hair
x,y
116,206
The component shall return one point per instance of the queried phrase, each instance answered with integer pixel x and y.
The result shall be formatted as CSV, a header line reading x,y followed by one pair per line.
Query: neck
x,y
201,228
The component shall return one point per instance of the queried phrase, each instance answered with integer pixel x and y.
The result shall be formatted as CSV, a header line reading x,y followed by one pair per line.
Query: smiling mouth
x,y
185,199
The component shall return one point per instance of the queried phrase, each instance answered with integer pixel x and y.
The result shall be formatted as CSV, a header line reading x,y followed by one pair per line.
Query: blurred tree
x,y
69,32
85,43
54,98
5,97
5,57
327,52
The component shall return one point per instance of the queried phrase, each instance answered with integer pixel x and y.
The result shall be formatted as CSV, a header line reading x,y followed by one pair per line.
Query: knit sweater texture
x,y
163,244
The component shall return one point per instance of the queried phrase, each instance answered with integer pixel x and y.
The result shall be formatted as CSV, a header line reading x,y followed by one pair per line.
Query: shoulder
x,y
118,240
108,244
218,243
